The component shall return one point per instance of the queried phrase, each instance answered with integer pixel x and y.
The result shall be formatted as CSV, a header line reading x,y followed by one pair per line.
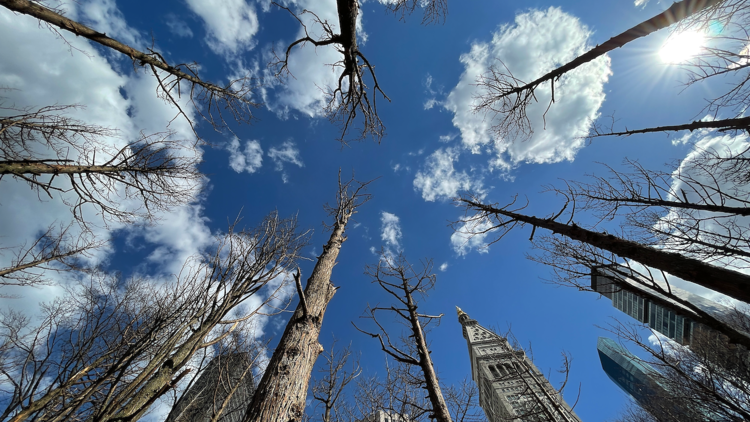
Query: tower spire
x,y
460,312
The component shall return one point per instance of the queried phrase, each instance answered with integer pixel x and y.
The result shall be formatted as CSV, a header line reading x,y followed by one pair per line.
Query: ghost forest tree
x,y
123,344
690,221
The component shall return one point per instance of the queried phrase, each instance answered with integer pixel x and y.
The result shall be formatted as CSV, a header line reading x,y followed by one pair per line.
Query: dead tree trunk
x,y
439,408
234,97
282,390
677,12
416,350
722,280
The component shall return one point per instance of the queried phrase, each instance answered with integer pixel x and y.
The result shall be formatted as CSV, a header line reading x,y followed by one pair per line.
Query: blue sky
x,y
435,147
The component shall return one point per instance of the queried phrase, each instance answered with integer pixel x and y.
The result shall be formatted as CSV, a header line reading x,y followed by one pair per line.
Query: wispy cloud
x,y
286,153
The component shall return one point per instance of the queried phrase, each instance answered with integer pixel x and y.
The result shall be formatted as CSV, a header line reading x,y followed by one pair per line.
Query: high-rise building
x,y
385,416
225,387
633,376
663,314
511,387
640,381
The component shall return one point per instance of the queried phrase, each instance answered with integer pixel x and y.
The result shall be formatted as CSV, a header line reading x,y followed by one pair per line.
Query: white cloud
x,y
287,153
390,230
536,43
432,93
250,159
310,68
438,180
42,70
178,26
464,240
710,224
104,16
443,267
230,24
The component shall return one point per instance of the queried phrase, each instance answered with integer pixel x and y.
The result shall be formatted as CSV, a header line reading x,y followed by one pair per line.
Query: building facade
x,y
225,387
385,416
635,377
659,312
511,387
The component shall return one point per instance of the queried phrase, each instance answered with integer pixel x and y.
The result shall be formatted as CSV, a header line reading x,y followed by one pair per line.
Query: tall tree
x,y
113,347
708,381
572,245
282,390
211,101
329,390
349,97
396,276
56,249
507,97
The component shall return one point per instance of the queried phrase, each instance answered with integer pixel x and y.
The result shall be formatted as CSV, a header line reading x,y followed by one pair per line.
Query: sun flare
x,y
682,47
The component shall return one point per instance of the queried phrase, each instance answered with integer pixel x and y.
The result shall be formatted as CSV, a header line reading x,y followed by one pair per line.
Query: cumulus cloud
x,y
41,70
443,267
537,42
287,153
230,24
438,179
249,159
107,18
178,26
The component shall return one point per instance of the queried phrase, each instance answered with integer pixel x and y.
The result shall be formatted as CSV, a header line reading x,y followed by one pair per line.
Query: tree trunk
x,y
722,280
36,167
741,123
42,13
744,211
677,12
281,394
439,408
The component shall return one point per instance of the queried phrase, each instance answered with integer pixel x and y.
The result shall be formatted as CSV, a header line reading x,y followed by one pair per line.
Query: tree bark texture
x,y
281,394
728,282
36,167
439,408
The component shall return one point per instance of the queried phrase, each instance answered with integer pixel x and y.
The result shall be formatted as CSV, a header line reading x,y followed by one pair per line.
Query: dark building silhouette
x,y
225,387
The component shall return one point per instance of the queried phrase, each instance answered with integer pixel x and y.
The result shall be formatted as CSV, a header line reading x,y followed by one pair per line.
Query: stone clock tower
x,y
511,387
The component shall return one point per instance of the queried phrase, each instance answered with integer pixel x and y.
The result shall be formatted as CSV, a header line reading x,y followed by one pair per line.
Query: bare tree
x,y
226,381
394,393
56,249
707,381
506,96
328,389
81,163
111,348
283,388
463,402
725,125
211,101
349,97
399,278
505,218
435,11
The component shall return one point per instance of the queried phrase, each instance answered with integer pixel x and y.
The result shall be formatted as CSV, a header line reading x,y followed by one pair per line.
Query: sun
x,y
682,47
